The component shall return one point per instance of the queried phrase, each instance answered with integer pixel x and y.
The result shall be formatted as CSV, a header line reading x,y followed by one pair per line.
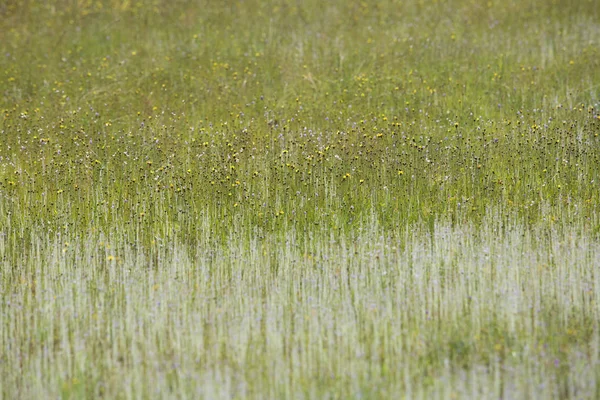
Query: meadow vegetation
x,y
299,199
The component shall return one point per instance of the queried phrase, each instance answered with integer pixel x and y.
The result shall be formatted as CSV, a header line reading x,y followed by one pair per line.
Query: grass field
x,y
299,199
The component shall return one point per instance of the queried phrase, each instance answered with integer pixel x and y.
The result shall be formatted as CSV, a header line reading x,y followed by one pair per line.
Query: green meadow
x,y
299,199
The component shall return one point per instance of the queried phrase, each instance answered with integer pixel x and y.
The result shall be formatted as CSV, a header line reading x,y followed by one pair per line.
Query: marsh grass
x,y
299,200
473,312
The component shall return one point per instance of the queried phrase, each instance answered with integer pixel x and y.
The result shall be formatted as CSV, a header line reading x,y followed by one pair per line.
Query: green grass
x,y
299,199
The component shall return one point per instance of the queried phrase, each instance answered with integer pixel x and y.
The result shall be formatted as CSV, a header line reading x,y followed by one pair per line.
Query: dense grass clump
x,y
282,199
